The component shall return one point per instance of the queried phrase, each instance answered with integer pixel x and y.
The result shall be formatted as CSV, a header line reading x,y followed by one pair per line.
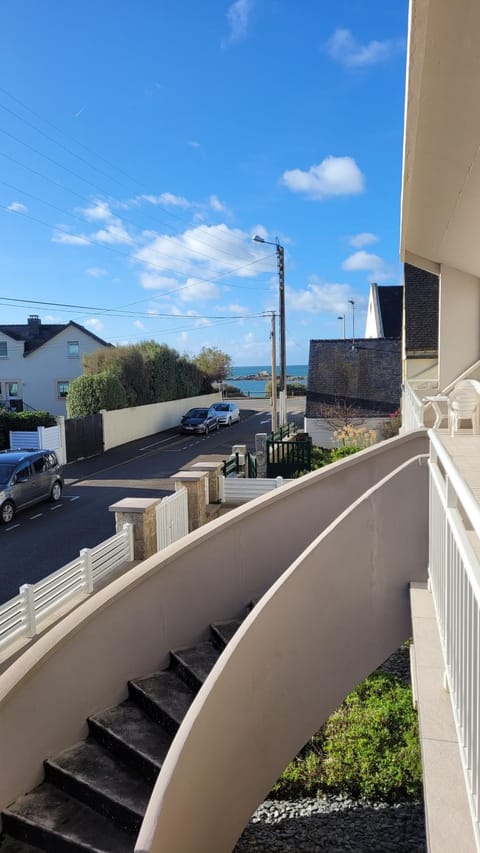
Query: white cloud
x,y
204,252
193,143
100,211
113,233
320,298
218,205
376,267
198,291
138,324
95,324
96,272
61,236
343,47
238,15
168,199
17,207
152,281
334,176
363,239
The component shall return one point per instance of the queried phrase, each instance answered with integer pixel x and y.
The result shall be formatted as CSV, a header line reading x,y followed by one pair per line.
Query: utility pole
x,y
274,374
281,310
352,303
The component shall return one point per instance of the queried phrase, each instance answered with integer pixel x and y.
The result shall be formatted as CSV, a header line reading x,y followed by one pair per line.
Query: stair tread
x,y
128,723
91,764
168,691
51,809
12,845
227,629
200,659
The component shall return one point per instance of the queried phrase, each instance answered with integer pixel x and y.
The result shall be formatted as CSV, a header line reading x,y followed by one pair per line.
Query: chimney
x,y
34,326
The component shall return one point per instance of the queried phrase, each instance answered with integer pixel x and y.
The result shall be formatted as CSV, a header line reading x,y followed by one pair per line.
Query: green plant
x,y
390,427
371,743
88,395
367,749
27,421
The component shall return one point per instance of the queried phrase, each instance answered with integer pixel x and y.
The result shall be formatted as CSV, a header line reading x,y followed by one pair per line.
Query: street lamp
x,y
352,303
342,317
281,305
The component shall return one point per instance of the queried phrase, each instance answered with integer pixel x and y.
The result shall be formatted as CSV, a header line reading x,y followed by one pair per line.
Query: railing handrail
x,y
464,494
50,594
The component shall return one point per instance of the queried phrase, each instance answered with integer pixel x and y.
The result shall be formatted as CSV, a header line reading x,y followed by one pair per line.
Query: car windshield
x,y
221,407
6,471
197,413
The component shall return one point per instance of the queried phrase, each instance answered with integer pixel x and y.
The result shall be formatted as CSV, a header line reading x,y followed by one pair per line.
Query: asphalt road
x,y
47,536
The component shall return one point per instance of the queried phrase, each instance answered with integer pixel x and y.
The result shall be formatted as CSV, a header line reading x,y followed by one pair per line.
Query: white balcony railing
x,y
25,615
455,581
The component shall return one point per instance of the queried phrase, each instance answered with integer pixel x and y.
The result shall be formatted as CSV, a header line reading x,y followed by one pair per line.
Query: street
x,y
47,536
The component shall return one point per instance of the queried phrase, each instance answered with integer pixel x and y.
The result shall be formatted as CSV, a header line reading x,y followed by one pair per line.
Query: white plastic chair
x,y
463,405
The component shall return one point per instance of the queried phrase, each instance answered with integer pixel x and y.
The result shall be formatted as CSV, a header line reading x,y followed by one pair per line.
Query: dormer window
x,y
73,349
3,349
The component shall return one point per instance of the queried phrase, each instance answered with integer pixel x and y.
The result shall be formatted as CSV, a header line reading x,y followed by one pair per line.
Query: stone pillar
x,y
142,514
196,484
214,470
261,453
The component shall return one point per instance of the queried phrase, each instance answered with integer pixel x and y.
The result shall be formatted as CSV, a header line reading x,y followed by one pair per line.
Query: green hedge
x,y
25,421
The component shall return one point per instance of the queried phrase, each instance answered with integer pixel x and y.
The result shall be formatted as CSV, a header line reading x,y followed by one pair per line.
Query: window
x,y
73,349
3,349
62,388
12,389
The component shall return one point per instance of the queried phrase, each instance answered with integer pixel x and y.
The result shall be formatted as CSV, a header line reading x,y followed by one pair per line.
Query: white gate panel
x,y
172,518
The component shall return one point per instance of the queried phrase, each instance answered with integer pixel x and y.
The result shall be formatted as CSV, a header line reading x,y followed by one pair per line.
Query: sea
x,y
296,373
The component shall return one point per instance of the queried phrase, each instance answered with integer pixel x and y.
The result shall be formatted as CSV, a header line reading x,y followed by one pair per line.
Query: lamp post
x,y
342,317
281,305
352,303
274,374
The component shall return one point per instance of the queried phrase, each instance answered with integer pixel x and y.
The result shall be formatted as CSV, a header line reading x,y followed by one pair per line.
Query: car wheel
x,y
56,492
7,512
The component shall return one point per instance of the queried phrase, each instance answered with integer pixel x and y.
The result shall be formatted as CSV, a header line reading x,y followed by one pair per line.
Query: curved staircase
x,y
95,793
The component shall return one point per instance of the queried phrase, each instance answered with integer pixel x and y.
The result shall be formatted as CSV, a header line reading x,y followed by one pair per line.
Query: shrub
x,y
367,749
390,427
371,743
88,395
27,421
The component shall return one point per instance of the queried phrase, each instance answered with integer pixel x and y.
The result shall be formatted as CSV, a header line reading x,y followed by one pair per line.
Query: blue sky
x,y
143,143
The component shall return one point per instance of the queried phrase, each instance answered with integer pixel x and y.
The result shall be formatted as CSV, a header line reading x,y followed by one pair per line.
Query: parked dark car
x,y
27,477
199,420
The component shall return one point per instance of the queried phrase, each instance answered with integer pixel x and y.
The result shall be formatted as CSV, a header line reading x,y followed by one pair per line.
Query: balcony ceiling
x,y
441,173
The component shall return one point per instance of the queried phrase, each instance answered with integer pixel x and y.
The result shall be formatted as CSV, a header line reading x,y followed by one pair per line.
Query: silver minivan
x,y
27,477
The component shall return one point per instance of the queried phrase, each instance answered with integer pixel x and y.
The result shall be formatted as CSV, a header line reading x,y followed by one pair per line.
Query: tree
x,y
88,395
214,363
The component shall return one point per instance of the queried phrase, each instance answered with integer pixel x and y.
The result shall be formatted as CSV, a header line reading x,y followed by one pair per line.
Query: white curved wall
x,y
331,619
126,630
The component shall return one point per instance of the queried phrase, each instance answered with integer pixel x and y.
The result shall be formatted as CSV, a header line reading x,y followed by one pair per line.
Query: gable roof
x,y
391,298
36,334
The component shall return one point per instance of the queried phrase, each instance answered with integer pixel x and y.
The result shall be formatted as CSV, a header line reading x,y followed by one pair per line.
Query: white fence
x,y
172,518
48,438
26,614
237,490
455,582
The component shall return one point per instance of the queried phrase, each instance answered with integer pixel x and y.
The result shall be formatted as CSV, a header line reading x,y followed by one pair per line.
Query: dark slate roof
x,y
421,312
35,337
366,378
391,306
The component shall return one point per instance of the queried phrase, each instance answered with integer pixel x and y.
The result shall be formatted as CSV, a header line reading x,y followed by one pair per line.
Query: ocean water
x,y
297,372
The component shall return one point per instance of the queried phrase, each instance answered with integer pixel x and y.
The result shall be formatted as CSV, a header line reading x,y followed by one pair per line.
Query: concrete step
x,y
194,664
130,733
164,697
222,632
49,819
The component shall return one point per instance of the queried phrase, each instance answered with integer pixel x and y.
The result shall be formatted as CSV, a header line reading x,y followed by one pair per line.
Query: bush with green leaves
x,y
88,395
28,421
367,749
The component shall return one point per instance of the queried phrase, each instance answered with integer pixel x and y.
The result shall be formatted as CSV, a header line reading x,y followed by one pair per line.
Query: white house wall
x,y
39,372
459,343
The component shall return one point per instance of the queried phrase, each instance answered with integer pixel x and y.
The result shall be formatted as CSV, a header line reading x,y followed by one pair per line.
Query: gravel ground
x,y
337,824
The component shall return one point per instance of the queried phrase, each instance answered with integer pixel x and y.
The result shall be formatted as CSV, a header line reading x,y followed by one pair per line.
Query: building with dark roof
x,y
384,313
39,360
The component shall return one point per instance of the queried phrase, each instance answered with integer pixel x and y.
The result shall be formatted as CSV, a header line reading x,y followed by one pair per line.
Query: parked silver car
x,y
27,477
227,413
